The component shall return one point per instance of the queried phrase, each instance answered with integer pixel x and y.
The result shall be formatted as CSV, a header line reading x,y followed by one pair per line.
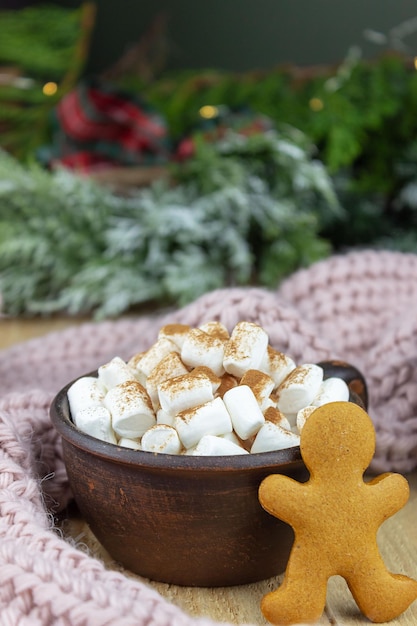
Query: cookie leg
x,y
382,596
302,595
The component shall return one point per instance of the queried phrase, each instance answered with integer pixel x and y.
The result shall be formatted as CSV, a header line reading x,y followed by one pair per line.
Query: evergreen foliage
x,y
243,210
233,218
38,44
40,41
360,116
355,114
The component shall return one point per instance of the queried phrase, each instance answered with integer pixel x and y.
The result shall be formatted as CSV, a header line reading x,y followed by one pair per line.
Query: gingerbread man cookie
x,y
335,516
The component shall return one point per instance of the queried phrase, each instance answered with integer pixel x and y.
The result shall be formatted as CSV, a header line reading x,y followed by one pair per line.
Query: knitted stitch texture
x,y
359,307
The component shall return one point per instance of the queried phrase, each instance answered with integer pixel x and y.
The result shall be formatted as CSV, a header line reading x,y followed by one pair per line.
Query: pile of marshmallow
x,y
201,391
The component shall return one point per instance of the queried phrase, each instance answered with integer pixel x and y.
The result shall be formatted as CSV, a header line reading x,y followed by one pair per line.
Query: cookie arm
x,y
282,497
390,492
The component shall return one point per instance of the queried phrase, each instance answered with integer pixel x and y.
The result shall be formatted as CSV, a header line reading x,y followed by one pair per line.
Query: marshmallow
x,y
201,391
206,371
133,363
83,393
161,438
162,417
245,349
174,332
270,403
131,409
292,420
169,367
246,416
183,392
272,437
215,329
233,438
261,385
275,416
332,390
97,422
115,372
188,451
227,381
210,418
199,348
303,415
132,444
210,445
277,365
155,354
299,388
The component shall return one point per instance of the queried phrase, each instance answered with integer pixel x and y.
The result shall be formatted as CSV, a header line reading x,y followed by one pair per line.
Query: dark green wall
x,y
247,34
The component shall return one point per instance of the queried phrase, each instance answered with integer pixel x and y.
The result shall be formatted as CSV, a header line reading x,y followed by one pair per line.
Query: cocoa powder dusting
x,y
274,415
130,391
258,381
216,330
168,367
174,329
203,370
296,377
227,382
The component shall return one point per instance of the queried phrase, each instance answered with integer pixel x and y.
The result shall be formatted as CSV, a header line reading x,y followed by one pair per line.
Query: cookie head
x,y
338,437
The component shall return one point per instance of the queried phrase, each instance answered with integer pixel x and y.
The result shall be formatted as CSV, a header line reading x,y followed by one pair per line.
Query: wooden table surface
x,y
397,539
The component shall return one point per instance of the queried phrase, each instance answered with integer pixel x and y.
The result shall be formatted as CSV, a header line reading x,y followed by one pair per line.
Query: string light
x,y
208,111
316,104
49,89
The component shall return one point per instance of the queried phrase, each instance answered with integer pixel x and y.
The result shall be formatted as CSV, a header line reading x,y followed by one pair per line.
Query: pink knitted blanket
x,y
360,307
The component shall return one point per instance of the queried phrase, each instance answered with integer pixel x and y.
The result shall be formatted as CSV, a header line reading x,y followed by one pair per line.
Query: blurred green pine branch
x,y
243,211
38,44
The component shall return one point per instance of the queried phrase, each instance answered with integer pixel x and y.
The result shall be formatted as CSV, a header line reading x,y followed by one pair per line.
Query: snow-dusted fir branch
x,y
244,210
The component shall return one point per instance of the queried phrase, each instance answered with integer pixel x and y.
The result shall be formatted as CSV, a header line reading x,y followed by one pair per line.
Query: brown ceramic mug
x,y
179,519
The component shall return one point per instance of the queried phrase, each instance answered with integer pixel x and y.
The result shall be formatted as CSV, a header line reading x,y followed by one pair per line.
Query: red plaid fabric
x,y
97,126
